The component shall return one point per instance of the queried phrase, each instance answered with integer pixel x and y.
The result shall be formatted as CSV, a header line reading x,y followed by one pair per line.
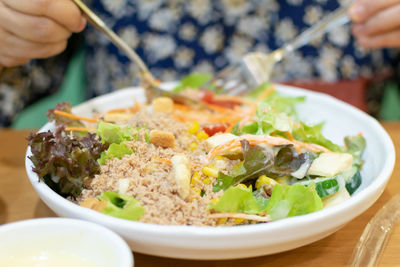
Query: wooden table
x,y
18,201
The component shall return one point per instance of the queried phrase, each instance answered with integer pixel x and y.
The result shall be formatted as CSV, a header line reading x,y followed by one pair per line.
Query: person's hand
x,y
376,23
31,29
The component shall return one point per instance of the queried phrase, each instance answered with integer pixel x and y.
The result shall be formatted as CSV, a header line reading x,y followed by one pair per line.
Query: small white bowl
x,y
190,242
43,240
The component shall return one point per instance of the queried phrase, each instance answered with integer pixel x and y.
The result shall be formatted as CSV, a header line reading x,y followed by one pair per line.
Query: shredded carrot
x,y
311,147
181,107
80,129
290,136
163,160
205,117
234,98
121,110
217,108
72,116
196,165
178,117
231,126
265,94
241,216
136,106
253,109
259,139
260,98
360,134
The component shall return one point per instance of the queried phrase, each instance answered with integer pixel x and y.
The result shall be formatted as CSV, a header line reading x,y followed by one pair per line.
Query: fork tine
x,y
256,67
238,79
219,76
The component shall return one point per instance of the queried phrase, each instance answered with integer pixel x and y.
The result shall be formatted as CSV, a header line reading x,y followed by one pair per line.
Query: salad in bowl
x,y
242,160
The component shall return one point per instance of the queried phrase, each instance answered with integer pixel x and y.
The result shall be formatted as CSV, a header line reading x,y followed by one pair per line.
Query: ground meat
x,y
149,174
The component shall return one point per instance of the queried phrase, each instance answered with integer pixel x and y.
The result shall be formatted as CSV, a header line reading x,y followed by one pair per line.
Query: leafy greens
x,y
313,134
238,199
65,162
293,200
114,151
121,206
263,160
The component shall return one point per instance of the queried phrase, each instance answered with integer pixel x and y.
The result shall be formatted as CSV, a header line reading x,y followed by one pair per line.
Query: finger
x,y
12,61
361,10
65,12
385,40
16,46
384,21
32,28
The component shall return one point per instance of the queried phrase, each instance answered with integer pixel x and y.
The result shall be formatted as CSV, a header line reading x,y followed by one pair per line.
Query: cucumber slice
x,y
324,186
354,182
327,187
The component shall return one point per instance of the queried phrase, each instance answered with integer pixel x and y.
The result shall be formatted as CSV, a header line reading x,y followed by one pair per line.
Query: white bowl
x,y
190,242
50,238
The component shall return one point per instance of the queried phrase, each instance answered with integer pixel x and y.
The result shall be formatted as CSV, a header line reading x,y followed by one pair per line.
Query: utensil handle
x,y
376,234
114,38
337,18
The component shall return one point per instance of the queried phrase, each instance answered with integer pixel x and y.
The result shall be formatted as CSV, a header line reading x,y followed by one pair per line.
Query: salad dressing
x,y
43,258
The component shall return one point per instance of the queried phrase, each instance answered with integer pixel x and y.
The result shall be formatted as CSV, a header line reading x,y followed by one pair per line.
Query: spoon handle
x,y
99,24
376,234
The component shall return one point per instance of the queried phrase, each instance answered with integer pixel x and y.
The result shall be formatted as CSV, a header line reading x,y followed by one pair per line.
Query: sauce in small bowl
x,y
62,243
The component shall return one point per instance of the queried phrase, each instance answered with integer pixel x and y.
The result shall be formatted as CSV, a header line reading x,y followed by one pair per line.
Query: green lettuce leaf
x,y
293,200
313,134
112,133
194,80
114,151
355,145
281,104
250,128
122,206
274,115
223,182
258,91
238,200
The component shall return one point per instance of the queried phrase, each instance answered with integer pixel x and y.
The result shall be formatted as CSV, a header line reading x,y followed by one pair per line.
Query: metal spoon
x,y
152,89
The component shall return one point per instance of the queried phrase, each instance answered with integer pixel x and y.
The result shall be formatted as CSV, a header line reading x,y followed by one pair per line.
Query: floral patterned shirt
x,y
176,37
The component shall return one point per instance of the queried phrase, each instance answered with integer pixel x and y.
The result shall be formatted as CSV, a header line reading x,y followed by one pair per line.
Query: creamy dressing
x,y
43,258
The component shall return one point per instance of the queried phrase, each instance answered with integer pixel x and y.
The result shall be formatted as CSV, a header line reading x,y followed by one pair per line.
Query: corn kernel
x,y
264,180
242,186
194,127
195,178
213,200
196,190
282,180
239,220
221,221
207,180
210,171
202,135
219,157
195,193
193,146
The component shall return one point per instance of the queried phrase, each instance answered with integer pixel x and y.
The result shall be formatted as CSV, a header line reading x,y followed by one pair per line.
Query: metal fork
x,y
255,68
151,85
